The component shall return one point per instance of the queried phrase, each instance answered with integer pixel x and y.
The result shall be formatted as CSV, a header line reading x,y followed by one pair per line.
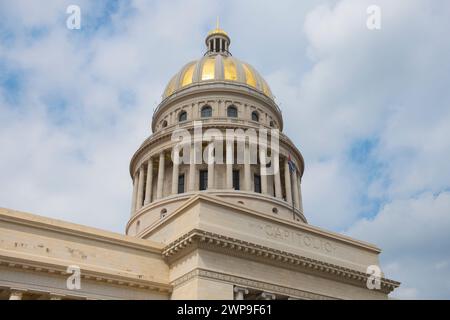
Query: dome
x,y
217,65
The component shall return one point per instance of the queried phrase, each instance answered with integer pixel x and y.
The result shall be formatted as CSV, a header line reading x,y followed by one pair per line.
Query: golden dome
x,y
217,31
217,67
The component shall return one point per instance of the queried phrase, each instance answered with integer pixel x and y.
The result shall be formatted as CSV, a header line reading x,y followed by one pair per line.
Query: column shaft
x,y
175,170
277,176
191,186
247,171
229,165
140,196
300,193
160,186
134,196
295,184
287,181
149,183
211,164
263,169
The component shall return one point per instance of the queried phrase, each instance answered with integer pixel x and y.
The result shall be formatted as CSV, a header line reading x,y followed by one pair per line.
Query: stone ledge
x,y
203,239
248,283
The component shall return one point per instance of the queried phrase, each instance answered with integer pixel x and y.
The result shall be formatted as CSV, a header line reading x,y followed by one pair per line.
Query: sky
x,y
368,109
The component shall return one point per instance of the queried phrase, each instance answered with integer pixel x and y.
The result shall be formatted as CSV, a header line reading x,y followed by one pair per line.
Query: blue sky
x,y
369,110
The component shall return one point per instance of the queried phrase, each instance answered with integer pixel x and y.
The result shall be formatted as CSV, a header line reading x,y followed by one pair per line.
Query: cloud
x,y
371,117
413,234
368,110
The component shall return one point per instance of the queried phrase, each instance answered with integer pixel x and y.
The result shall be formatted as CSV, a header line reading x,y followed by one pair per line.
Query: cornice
x,y
216,193
143,152
271,218
248,283
232,246
214,87
80,231
32,265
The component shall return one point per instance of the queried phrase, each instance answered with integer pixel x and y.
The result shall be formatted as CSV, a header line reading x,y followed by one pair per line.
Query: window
x,y
232,112
203,179
272,124
236,184
206,112
257,181
164,124
182,116
255,116
181,183
217,45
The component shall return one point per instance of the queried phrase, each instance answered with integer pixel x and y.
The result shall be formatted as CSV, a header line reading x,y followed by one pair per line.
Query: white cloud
x,y
413,234
85,101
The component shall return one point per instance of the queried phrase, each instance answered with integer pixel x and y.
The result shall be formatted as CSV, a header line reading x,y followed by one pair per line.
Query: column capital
x,y
16,294
266,296
239,293
237,289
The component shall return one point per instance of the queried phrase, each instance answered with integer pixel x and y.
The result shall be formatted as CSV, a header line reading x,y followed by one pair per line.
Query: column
x,y
211,164
221,108
277,176
296,195
159,187
191,186
263,169
16,295
229,164
300,193
175,169
239,293
247,173
140,195
134,196
195,111
149,183
287,181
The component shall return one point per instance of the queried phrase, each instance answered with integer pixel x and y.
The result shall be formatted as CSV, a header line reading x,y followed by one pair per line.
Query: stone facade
x,y
198,229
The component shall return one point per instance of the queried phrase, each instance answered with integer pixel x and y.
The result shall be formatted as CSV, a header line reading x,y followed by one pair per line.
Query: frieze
x,y
301,239
204,239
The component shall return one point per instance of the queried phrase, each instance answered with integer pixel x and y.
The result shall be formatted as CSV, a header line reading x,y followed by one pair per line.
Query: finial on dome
x,y
218,41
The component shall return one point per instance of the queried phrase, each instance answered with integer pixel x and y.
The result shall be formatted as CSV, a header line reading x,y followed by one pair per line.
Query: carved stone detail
x,y
215,242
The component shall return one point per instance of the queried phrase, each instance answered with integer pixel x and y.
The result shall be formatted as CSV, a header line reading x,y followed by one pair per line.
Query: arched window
x,y
182,116
164,124
272,124
232,112
255,116
206,112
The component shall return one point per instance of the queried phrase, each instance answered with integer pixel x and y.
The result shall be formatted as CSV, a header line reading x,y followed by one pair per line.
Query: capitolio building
x,y
216,210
